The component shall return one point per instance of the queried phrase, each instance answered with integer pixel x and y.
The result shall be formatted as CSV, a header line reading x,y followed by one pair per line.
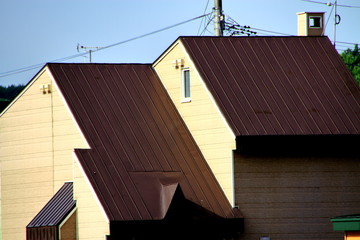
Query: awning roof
x,y
57,209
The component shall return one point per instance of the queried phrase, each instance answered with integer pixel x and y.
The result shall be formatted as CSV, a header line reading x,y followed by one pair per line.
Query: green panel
x,y
346,225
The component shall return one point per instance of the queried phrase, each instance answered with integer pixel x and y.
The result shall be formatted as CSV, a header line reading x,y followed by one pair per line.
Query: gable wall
x,y
92,223
27,162
201,116
37,138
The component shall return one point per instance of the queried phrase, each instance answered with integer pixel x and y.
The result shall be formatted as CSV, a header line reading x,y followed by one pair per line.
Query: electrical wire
x,y
151,33
339,5
207,4
32,67
327,21
348,43
266,31
210,19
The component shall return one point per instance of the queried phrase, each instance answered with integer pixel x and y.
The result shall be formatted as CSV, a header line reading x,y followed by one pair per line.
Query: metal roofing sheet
x,y
57,209
141,150
278,85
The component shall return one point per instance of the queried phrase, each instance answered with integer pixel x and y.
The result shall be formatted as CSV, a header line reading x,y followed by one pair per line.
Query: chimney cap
x,y
300,13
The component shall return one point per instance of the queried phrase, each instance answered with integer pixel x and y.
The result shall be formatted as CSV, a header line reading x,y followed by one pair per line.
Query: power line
x,y
234,28
207,4
329,4
348,43
151,33
210,20
32,67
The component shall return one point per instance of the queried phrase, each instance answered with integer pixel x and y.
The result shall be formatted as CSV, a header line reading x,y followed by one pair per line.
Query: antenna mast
x,y
219,18
78,47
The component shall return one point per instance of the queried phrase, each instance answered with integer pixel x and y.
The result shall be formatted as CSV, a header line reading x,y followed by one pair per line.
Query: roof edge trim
x,y
67,217
212,99
53,80
27,86
92,190
166,52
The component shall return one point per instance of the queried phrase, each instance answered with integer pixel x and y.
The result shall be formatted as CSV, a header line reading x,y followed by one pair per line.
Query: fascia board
x,y
166,52
193,66
30,83
93,193
212,99
53,80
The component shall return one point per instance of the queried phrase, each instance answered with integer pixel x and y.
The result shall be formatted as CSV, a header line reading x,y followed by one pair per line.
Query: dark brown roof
x,y
141,151
57,209
278,85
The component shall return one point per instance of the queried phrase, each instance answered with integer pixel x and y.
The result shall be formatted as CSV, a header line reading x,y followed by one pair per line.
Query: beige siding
x,y
26,158
201,116
37,138
92,221
302,24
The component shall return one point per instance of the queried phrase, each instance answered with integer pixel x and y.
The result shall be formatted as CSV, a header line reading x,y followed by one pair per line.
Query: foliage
x,y
352,60
7,94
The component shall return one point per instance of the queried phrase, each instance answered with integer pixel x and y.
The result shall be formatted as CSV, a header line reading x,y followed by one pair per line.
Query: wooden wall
x,y
201,115
37,140
27,159
295,197
92,223
68,229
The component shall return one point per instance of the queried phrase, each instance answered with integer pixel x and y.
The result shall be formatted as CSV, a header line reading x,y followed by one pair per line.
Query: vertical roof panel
x,y
57,209
278,85
137,139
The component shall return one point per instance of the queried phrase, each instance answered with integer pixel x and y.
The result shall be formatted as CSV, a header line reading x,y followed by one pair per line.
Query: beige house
x,y
219,138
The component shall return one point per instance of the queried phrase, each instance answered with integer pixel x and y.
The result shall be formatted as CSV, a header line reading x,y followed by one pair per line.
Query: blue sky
x,y
39,31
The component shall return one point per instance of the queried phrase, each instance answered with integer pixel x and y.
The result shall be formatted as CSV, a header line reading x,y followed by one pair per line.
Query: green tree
x,y
352,60
7,94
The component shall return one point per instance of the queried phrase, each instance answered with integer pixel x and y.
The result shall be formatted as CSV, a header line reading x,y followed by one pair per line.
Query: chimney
x,y
310,23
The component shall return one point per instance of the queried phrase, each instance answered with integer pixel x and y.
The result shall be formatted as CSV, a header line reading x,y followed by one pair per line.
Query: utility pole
x,y
337,20
219,18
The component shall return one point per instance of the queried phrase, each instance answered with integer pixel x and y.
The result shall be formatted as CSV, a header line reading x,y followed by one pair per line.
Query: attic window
x,y
315,22
185,84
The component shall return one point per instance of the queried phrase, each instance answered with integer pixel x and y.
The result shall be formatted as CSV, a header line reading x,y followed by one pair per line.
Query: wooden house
x,y
277,119
219,138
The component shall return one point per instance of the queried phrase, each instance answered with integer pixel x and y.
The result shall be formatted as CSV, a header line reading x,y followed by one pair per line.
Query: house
x,y
219,138
113,132
290,110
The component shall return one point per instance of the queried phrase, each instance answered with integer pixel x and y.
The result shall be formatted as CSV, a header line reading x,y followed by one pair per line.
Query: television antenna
x,y
87,49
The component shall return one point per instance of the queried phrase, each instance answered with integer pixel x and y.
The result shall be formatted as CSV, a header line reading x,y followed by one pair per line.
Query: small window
x,y
185,85
315,22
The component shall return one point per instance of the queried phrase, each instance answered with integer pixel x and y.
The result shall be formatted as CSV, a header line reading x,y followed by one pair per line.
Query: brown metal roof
x,y
141,150
57,209
278,85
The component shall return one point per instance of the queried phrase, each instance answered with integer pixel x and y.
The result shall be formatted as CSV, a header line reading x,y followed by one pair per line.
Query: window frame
x,y
185,85
311,18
